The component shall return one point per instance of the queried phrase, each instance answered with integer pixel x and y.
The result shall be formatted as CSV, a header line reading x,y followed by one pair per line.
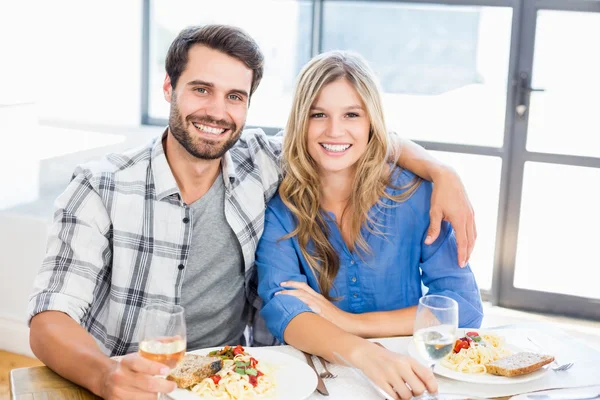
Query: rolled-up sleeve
x,y
277,261
442,275
78,252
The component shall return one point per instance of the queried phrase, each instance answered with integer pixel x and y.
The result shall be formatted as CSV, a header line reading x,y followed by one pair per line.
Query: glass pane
x,y
284,40
564,118
443,68
558,230
481,176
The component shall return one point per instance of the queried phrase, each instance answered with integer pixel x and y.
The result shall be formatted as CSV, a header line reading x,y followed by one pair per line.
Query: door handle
x,y
523,91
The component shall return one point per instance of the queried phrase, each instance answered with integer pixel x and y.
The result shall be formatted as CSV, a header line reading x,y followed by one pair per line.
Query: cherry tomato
x,y
238,350
253,380
461,344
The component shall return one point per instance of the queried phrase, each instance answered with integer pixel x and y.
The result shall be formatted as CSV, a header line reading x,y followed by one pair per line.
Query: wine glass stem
x,y
431,395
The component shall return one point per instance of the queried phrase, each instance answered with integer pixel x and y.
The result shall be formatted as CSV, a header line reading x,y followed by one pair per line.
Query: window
x,y
284,39
449,74
443,69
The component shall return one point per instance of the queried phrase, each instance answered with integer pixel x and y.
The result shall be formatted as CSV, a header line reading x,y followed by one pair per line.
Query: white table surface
x,y
585,372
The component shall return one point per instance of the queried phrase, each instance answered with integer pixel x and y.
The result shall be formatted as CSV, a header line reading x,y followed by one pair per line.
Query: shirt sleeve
x,y
277,261
264,152
440,271
262,144
78,253
443,276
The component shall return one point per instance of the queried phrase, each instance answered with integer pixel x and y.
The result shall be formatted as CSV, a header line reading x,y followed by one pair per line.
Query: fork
x,y
326,373
558,367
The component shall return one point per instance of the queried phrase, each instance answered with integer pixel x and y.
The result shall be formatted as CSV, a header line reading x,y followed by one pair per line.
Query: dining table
x,y
41,383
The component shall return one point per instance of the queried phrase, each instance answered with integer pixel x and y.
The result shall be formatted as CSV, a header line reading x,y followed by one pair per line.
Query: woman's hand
x,y
402,377
321,306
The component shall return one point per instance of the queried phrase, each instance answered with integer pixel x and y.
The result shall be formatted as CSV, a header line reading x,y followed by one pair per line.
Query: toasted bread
x,y
193,369
518,364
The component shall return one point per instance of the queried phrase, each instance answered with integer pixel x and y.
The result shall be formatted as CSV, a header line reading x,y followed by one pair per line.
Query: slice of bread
x,y
193,369
518,364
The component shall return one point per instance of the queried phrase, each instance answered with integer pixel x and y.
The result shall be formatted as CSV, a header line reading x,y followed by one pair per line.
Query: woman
x,y
343,247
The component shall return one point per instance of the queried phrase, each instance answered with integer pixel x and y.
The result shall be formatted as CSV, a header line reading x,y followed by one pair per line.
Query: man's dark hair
x,y
227,39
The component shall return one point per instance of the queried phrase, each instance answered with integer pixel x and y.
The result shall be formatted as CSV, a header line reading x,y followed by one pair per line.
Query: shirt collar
x,y
228,169
164,181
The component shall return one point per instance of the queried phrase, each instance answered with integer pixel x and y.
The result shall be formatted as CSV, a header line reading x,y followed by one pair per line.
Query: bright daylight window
x,y
285,40
443,68
443,71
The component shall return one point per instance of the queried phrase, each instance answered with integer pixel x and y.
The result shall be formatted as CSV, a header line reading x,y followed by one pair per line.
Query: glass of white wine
x,y
434,332
163,334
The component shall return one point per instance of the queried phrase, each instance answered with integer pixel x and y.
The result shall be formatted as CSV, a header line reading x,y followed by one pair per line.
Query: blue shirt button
x,y
353,279
355,295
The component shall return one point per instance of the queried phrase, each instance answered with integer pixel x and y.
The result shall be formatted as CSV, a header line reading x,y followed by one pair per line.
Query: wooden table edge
x,y
59,383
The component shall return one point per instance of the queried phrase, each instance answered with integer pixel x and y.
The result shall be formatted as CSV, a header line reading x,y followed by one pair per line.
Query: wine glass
x,y
434,332
163,334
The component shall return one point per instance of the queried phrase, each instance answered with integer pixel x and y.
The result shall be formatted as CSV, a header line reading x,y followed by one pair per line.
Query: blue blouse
x,y
392,276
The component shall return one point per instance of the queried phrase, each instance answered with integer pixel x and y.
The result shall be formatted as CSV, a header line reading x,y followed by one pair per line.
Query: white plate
x,y
295,380
482,378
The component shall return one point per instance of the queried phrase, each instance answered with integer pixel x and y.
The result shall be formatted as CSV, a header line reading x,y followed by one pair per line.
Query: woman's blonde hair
x,y
300,188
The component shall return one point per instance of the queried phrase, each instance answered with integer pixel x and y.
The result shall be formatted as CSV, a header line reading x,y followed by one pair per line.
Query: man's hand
x,y
449,202
320,305
135,377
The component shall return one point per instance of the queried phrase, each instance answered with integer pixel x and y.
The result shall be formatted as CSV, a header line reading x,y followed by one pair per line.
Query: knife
x,y
573,396
320,384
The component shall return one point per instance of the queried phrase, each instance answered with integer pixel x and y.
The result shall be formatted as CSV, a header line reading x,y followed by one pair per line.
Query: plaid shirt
x,y
121,237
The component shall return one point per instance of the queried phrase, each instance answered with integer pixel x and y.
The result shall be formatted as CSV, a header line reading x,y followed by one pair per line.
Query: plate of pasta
x,y
242,373
473,353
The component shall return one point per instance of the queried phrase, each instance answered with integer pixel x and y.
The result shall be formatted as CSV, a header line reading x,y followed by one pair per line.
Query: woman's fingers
x,y
303,296
384,385
300,286
426,375
404,374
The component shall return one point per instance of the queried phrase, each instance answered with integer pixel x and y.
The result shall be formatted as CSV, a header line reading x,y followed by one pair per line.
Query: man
x,y
177,221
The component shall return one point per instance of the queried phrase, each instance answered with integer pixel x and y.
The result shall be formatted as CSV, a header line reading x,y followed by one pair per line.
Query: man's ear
x,y
167,88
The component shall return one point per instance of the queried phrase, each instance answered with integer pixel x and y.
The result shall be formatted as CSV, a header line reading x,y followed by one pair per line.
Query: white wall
x,y
65,61
90,61
79,61
23,245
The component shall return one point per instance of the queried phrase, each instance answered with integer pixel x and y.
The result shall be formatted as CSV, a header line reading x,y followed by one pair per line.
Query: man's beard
x,y
199,147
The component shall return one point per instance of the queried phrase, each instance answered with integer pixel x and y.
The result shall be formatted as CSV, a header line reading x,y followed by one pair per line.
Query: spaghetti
x,y
242,378
472,352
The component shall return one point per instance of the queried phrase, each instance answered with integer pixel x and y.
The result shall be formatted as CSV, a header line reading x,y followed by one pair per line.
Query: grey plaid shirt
x,y
121,237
